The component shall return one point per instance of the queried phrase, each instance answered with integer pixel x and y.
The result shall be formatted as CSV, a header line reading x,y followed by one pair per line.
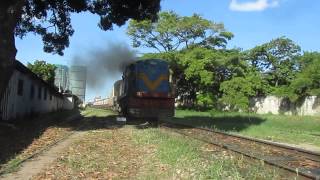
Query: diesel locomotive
x,y
145,90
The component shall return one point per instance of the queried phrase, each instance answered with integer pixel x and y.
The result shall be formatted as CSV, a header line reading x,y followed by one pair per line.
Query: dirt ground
x,y
98,158
37,164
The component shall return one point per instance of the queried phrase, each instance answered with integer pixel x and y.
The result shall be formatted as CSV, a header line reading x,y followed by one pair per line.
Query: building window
x,y
32,91
20,87
45,94
39,93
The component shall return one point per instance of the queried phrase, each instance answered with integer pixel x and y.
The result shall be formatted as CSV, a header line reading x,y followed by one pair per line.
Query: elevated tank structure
x,y
77,81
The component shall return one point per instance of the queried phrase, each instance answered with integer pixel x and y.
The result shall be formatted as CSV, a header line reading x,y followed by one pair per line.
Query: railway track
x,y
295,160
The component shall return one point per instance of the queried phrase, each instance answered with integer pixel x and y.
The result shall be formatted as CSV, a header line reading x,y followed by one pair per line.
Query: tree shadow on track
x,y
232,123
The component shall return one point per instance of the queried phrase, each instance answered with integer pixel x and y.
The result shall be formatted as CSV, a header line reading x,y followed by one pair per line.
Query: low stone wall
x,y
275,105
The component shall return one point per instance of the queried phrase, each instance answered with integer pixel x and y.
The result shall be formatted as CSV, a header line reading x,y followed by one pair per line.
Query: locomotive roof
x,y
158,61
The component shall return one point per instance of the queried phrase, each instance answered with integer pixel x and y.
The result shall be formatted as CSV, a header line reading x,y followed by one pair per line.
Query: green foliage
x,y
198,62
237,91
43,70
205,99
207,69
277,60
206,75
172,32
199,70
203,75
52,19
308,79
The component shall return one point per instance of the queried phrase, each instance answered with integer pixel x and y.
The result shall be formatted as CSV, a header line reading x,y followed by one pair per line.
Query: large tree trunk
x,y
10,13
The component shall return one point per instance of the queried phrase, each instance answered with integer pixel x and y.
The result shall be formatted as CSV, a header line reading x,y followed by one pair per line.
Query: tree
x,y
237,91
51,20
307,81
208,68
43,70
276,59
172,32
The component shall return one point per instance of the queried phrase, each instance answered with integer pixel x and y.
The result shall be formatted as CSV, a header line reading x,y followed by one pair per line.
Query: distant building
x,y
99,102
95,99
72,79
77,81
62,78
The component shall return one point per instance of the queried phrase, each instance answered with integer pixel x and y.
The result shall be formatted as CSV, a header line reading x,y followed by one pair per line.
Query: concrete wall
x,y
275,105
15,105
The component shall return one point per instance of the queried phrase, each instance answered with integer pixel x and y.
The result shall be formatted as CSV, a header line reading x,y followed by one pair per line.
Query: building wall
x,y
275,105
19,102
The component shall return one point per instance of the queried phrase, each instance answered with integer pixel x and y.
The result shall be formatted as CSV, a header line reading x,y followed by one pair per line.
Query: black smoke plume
x,y
105,63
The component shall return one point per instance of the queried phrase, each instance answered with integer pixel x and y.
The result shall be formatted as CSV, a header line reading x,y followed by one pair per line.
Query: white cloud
x,y
257,5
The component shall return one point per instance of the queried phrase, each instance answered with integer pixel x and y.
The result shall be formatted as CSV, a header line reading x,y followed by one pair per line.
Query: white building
x,y
27,94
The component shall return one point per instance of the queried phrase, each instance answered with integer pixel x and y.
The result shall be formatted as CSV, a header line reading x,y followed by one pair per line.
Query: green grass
x,y
90,112
299,130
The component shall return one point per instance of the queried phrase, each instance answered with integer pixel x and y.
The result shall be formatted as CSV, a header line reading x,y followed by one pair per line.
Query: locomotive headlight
x,y
139,94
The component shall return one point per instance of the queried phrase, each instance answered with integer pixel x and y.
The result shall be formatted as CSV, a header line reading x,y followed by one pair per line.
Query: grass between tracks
x,y
300,130
127,152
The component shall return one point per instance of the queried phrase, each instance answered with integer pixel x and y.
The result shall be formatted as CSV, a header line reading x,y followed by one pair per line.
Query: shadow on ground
x,y
17,135
232,123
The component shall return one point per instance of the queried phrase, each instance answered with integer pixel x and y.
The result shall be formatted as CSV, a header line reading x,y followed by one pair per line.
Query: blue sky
x,y
253,22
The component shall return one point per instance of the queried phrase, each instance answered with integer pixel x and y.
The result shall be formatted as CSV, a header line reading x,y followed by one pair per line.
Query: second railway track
x,y
299,161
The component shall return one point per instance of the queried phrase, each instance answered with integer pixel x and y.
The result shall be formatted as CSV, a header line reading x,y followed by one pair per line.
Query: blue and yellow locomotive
x,y
146,90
